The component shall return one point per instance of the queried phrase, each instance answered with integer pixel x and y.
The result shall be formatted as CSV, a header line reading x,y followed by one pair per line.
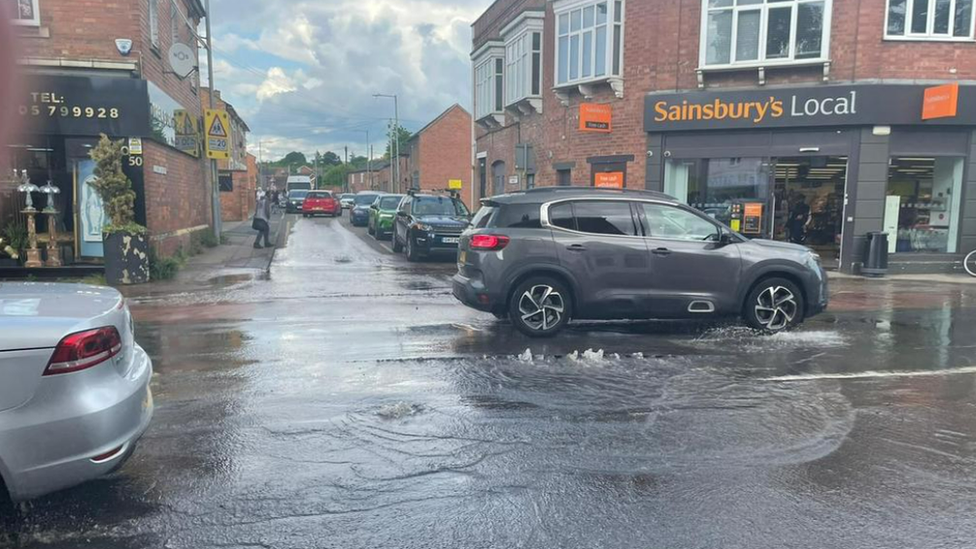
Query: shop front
x,y
63,117
823,166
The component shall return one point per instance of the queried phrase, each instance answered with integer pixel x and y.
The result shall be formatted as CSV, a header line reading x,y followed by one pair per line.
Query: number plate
x,y
450,239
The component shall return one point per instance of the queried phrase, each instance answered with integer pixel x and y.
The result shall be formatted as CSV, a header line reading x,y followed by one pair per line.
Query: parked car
x,y
582,253
381,215
347,200
74,386
320,203
296,198
428,223
359,214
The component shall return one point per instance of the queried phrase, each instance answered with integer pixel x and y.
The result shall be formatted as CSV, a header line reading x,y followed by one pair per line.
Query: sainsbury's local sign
x,y
870,104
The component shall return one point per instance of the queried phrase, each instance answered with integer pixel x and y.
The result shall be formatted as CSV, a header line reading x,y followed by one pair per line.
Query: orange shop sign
x,y
941,102
609,180
595,117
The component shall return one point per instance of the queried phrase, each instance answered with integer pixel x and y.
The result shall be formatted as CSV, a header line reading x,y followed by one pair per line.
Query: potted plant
x,y
13,240
125,242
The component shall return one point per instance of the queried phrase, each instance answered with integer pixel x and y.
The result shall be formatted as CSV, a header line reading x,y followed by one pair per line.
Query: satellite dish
x,y
182,60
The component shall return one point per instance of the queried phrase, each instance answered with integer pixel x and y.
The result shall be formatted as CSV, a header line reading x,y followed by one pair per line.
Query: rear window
x,y
390,202
438,205
483,217
365,199
319,194
518,216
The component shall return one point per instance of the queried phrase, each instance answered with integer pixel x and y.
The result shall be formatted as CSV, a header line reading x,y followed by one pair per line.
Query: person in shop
x,y
799,217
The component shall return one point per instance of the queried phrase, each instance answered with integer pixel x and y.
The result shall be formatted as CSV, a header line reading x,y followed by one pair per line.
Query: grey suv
x,y
545,256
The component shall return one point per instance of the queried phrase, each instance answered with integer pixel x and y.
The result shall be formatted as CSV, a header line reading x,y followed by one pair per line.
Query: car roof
x,y
547,194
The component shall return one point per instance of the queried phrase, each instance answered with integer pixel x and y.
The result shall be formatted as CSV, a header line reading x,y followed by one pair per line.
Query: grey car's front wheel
x,y
540,307
774,305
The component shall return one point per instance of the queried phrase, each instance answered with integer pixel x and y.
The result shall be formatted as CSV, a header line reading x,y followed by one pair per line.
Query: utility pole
x,y
214,185
395,149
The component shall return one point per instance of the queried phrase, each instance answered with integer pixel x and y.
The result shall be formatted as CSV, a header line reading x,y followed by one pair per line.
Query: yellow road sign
x,y
218,134
454,184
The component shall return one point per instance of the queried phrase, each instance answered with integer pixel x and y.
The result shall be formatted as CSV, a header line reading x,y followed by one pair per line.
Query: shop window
x,y
929,20
714,185
757,32
589,42
24,12
154,22
922,207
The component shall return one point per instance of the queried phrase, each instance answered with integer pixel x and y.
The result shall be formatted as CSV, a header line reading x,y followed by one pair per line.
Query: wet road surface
x,y
347,401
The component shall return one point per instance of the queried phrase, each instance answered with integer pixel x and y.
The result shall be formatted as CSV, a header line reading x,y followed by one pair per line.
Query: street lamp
x,y
395,146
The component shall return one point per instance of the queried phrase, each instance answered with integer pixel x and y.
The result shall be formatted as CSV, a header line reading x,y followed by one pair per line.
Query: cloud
x,y
304,72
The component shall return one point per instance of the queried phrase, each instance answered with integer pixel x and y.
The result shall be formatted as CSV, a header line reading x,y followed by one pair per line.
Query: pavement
x,y
344,399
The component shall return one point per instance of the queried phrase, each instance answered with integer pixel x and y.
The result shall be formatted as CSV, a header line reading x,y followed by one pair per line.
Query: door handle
x,y
576,248
661,252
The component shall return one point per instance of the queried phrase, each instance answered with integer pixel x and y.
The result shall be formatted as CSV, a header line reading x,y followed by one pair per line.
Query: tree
x,y
331,159
114,188
335,176
403,135
293,158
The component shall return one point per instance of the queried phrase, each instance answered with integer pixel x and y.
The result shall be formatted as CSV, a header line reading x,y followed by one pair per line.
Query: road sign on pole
x,y
218,134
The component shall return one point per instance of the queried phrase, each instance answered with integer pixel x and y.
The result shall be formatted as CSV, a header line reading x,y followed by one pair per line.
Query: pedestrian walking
x,y
262,213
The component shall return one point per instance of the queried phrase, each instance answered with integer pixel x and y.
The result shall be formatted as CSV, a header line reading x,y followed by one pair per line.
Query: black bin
x,y
876,255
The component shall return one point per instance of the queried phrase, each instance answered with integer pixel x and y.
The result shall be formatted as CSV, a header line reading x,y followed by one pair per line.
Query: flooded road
x,y
348,401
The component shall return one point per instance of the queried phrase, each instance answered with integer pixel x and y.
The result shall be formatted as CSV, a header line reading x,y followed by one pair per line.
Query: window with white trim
x,y
23,12
488,88
523,65
589,42
752,32
154,22
929,19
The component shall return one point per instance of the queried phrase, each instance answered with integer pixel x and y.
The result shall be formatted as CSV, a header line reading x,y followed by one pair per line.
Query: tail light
x,y
83,350
489,242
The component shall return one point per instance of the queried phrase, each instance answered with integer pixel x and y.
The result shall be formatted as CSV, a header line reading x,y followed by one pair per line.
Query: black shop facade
x,y
825,165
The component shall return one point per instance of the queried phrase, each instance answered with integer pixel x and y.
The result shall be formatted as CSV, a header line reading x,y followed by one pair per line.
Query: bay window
x,y
589,41
756,32
523,57
488,81
23,12
929,20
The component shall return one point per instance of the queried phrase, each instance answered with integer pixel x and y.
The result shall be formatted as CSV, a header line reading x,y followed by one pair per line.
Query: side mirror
x,y
724,238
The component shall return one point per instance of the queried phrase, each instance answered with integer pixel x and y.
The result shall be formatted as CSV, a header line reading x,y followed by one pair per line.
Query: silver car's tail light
x,y
83,350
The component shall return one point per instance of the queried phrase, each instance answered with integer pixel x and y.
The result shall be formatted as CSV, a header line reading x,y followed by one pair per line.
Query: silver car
x,y
74,386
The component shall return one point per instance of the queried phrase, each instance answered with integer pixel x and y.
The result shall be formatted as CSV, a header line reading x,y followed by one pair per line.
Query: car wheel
x,y
540,307
397,245
371,230
412,254
774,305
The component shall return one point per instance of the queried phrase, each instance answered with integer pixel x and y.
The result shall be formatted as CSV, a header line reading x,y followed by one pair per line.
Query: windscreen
x,y
438,205
297,194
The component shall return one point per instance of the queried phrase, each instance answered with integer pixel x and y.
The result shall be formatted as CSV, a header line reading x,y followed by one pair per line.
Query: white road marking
x,y
875,374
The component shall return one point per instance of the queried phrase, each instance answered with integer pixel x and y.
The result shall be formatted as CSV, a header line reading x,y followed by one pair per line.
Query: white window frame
x,y
561,7
929,35
519,55
35,22
764,8
485,88
153,22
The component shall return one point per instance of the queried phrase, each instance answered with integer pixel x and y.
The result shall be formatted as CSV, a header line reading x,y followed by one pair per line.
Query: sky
x,y
302,73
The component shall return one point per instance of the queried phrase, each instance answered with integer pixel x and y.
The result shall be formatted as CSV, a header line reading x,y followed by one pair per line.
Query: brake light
x,y
83,350
490,242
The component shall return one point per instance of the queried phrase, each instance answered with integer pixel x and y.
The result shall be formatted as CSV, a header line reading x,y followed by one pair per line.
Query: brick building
x,y
755,112
237,182
105,69
379,176
438,152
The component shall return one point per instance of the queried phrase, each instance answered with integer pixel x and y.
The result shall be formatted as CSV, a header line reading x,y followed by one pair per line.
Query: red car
x,y
321,203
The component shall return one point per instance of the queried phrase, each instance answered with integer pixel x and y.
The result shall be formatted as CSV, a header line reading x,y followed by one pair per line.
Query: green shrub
x,y
208,239
164,268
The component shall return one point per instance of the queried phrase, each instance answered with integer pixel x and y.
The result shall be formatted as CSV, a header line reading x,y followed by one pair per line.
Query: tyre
x,y
412,253
397,245
970,263
540,307
774,305
371,230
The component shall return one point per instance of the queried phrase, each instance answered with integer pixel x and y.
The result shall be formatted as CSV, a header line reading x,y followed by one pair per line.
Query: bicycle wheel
x,y
970,263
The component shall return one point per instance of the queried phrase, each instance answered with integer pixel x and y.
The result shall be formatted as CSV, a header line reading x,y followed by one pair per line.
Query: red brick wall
x,y
661,53
78,30
445,152
177,203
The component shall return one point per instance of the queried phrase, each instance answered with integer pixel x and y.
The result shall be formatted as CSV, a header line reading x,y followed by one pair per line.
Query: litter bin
x,y
876,255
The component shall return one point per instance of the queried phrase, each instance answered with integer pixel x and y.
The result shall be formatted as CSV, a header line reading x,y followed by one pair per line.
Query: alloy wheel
x,y
541,307
970,263
776,308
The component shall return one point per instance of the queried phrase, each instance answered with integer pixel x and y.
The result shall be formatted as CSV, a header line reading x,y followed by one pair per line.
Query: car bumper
x,y
428,243
48,444
293,208
471,291
819,295
322,211
357,217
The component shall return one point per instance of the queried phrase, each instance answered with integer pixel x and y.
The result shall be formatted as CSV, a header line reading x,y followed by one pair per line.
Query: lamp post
x,y
33,254
53,251
395,146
